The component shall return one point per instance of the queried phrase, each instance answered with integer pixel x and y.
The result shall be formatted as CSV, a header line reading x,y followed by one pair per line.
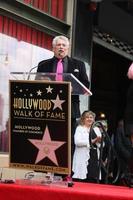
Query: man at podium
x,y
61,63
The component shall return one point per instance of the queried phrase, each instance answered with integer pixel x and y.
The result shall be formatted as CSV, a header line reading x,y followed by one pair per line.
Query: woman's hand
x,y
97,139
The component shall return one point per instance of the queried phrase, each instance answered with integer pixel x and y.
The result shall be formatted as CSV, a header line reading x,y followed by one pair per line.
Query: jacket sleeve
x,y
83,75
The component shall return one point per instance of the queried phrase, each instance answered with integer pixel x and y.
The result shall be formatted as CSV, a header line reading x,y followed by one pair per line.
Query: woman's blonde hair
x,y
86,114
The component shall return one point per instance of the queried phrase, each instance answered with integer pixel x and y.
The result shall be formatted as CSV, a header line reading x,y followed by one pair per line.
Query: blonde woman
x,y
83,162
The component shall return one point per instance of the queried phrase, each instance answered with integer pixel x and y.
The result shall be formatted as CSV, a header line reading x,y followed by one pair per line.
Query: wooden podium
x,y
40,121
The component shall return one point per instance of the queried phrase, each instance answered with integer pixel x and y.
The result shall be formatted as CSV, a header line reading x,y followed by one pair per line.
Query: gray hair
x,y
55,40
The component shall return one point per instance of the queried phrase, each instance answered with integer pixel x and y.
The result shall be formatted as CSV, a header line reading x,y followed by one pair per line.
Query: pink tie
x,y
59,71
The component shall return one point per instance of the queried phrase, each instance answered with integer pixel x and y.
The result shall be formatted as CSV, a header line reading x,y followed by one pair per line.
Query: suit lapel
x,y
70,68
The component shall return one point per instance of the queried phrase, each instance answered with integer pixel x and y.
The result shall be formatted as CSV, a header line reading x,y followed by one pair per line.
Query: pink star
x,y
58,103
46,147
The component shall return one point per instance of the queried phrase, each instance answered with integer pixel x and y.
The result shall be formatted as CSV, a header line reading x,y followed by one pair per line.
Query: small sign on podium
x,y
40,125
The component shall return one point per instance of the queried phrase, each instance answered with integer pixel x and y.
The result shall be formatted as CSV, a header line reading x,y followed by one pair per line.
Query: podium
x,y
40,121
78,88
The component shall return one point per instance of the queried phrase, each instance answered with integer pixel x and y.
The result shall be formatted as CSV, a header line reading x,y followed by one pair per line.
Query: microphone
x,y
31,71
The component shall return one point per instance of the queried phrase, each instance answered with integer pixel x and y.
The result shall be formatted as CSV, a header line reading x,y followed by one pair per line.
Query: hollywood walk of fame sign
x,y
40,126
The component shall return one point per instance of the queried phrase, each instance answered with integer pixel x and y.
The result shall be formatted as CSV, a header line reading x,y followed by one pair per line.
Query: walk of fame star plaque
x,y
40,125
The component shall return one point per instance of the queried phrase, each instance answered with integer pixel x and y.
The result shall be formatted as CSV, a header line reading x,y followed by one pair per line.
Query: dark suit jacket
x,y
75,67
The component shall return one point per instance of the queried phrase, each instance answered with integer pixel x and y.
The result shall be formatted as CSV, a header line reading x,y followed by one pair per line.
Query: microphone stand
x,y
30,72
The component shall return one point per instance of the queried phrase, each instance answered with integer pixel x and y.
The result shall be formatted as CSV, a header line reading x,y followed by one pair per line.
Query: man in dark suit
x,y
60,46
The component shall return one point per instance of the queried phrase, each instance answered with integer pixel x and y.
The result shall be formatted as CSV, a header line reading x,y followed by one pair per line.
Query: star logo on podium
x,y
46,147
58,103
49,89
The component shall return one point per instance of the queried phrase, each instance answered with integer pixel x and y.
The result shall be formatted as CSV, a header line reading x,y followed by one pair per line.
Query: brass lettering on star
x,y
46,150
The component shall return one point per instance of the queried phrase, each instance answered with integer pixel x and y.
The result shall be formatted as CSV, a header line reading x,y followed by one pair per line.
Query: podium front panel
x,y
40,126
